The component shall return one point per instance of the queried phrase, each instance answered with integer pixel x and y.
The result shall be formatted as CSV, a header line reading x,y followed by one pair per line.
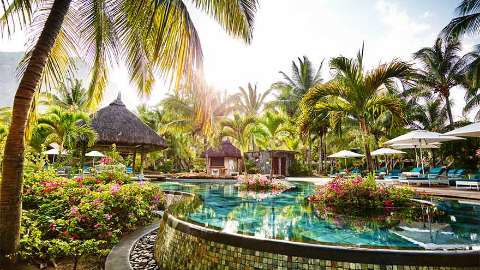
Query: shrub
x,y
251,166
298,168
261,183
72,217
360,195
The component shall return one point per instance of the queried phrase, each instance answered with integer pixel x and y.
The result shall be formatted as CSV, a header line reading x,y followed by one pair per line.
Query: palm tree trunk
x,y
320,155
12,171
363,127
449,110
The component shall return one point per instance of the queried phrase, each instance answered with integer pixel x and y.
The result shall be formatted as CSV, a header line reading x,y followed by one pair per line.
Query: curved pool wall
x,y
183,245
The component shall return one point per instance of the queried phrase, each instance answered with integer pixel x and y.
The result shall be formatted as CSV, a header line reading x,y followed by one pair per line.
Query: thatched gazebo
x,y
115,124
224,160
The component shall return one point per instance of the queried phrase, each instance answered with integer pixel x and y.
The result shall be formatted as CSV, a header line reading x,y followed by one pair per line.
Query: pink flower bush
x,y
360,194
262,183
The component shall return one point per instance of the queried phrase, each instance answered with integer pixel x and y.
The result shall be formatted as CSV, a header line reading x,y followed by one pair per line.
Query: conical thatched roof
x,y
115,124
226,149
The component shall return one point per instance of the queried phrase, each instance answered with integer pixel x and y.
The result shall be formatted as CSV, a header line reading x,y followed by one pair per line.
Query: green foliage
x,y
166,166
74,217
115,155
199,165
360,196
299,168
251,166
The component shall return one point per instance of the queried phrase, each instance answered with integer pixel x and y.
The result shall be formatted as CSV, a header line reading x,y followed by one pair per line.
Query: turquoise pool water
x,y
452,224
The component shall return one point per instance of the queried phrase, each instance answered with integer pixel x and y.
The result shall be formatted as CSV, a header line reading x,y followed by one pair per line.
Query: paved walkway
x,y
436,191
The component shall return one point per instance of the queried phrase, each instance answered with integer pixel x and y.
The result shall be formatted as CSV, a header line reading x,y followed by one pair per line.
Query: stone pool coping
x,y
119,257
452,258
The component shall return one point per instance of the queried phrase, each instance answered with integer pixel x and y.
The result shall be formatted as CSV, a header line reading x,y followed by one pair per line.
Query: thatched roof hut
x,y
115,124
226,149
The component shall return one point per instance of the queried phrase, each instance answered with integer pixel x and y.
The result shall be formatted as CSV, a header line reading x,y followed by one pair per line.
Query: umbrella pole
x,y
386,163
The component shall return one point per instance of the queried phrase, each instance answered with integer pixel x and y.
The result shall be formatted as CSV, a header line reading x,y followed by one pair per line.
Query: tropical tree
x,y
292,88
145,34
239,128
467,21
431,115
250,101
273,127
360,95
70,95
67,128
443,68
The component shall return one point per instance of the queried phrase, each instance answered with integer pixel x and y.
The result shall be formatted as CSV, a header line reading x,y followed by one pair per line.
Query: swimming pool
x,y
452,224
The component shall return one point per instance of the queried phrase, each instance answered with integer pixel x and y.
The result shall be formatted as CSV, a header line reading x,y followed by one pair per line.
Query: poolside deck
x,y
435,191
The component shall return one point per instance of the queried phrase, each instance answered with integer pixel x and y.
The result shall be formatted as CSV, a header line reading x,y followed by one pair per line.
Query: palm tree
x,y
359,95
67,128
292,88
431,115
273,126
250,101
467,20
443,68
239,128
145,34
70,95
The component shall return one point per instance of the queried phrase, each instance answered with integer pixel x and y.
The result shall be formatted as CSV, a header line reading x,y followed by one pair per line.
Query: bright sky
x,y
319,29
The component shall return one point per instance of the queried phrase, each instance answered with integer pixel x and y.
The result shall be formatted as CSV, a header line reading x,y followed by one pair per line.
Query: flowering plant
x,y
355,195
62,216
261,183
106,160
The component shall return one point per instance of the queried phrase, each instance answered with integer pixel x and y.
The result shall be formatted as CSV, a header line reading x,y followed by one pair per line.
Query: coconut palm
x,y
443,68
239,129
292,88
273,127
467,21
431,115
250,101
146,35
359,95
67,128
70,95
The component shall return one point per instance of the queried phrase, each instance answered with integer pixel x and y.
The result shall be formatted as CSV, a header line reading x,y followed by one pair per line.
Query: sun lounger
x,y
434,177
394,174
470,182
128,170
417,171
340,172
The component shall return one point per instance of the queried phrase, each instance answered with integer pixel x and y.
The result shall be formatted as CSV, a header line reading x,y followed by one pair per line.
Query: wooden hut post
x,y
142,159
133,161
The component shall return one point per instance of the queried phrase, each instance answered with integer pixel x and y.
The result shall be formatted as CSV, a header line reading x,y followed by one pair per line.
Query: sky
x,y
288,29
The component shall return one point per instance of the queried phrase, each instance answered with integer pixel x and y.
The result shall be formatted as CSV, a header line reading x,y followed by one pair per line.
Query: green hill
x,y
8,79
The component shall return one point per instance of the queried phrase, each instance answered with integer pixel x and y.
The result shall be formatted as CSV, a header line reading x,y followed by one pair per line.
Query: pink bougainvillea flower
x,y
114,188
74,210
108,216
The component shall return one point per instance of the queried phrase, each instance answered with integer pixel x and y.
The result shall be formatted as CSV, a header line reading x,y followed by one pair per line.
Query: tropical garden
x,y
45,217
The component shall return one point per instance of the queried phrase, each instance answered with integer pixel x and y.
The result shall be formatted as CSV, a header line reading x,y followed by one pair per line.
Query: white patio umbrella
x,y
386,152
54,152
417,146
472,130
94,154
421,137
345,154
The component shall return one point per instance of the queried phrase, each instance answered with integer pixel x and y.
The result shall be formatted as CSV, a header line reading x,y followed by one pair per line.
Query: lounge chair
x,y
394,174
356,171
86,169
128,170
381,171
417,171
434,176
470,182
340,172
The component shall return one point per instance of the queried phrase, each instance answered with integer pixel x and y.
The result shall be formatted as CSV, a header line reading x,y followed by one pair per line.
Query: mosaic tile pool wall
x,y
179,246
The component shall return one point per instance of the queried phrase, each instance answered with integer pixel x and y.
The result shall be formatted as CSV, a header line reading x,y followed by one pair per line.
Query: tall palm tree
x,y
239,128
443,68
357,94
273,126
250,101
467,21
145,34
431,115
292,88
70,95
66,128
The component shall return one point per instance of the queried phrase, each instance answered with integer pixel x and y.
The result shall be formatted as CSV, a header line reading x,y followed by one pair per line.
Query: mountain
x,y
8,76
8,79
